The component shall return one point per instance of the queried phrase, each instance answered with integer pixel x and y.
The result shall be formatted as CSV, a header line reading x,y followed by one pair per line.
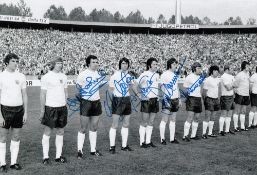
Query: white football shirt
x,y
253,80
149,82
227,79
11,84
193,84
89,82
242,80
121,82
54,84
169,84
212,86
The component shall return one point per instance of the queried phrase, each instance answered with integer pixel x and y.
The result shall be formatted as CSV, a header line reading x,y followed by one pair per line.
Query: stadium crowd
x,y
37,47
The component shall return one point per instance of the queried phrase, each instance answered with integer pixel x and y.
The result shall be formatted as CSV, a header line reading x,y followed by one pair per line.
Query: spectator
x,y
37,47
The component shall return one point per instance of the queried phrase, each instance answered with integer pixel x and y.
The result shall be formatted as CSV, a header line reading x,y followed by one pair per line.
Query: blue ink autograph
x,y
197,83
188,91
169,87
183,94
91,87
73,105
145,91
135,101
122,86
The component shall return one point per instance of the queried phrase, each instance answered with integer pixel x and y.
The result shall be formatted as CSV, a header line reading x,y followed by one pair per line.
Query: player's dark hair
x,y
123,60
9,57
170,62
195,65
149,62
52,63
213,68
51,67
89,58
226,67
243,65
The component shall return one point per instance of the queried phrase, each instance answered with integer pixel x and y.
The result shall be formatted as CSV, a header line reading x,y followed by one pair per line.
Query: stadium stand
x,y
37,47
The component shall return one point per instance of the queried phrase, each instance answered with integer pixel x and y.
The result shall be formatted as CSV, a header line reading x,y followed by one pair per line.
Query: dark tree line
x,y
103,15
19,9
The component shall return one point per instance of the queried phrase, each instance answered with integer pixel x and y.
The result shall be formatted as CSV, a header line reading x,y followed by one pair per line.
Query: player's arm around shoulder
x,y
237,80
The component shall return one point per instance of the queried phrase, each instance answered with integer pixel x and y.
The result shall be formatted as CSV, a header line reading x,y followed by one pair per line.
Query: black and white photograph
x,y
128,87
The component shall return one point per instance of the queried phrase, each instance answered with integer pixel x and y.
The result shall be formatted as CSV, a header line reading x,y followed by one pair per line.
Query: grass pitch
x,y
232,154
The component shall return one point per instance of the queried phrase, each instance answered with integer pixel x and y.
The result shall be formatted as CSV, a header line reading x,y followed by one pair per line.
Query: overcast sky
x,y
216,10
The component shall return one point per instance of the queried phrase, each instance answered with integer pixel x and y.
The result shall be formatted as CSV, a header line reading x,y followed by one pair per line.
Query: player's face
x,y
198,70
13,64
174,66
229,71
154,66
93,64
215,73
58,66
124,66
247,68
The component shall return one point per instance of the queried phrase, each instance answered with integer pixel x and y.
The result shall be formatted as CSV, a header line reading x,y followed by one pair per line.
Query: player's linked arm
x,y
236,82
133,86
227,86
